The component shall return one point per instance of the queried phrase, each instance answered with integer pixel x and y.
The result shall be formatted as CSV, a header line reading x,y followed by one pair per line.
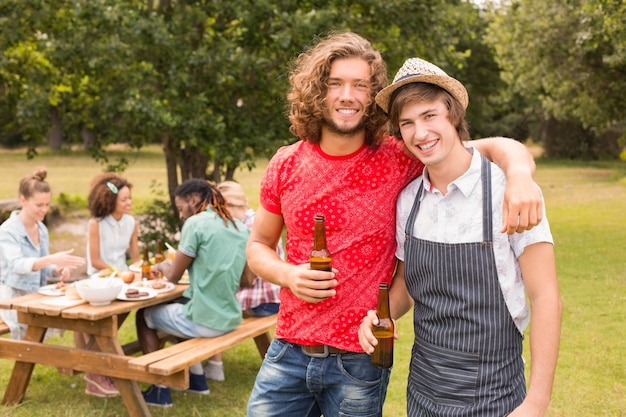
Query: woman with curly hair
x,y
112,230
25,259
111,238
213,248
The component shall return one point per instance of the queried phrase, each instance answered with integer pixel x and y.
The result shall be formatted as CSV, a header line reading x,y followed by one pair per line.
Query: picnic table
x,y
108,357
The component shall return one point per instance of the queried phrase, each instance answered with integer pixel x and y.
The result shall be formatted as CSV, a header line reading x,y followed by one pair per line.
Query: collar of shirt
x,y
465,183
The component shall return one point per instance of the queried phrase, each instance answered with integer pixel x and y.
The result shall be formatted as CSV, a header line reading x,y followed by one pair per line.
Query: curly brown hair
x,y
308,78
34,183
103,195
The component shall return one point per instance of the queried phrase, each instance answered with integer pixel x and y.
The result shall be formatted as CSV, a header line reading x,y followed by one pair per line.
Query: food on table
x,y
60,285
71,292
135,293
106,272
127,276
158,285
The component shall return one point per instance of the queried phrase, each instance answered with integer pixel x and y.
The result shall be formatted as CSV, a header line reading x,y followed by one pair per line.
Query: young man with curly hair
x,y
346,168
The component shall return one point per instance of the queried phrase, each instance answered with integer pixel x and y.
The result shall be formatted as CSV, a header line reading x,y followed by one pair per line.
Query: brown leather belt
x,y
322,351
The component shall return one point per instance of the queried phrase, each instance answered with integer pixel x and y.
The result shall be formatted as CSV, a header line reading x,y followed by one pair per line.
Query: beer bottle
x,y
159,256
320,258
145,264
383,352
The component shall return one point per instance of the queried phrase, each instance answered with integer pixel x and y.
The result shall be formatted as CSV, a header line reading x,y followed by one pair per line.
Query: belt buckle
x,y
321,355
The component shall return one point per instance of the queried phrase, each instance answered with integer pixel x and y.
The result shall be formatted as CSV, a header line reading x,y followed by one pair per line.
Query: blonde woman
x,y
25,259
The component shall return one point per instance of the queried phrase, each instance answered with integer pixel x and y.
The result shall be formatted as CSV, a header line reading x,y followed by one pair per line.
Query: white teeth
x,y
347,111
426,147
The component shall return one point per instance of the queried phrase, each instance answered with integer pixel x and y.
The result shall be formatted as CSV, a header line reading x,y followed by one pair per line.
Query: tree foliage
x,y
207,79
568,59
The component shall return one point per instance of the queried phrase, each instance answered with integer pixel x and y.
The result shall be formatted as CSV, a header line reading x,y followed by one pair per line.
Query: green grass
x,y
586,207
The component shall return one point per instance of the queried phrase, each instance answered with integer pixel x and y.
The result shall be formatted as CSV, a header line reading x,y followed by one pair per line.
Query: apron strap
x,y
487,215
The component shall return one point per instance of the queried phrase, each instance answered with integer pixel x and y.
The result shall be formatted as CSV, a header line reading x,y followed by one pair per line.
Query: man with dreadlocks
x,y
212,247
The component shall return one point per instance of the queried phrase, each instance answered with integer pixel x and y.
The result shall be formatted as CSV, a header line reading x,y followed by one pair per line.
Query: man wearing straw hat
x,y
346,169
466,281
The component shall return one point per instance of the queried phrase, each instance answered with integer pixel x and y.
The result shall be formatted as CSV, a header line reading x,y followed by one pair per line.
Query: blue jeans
x,y
263,310
292,384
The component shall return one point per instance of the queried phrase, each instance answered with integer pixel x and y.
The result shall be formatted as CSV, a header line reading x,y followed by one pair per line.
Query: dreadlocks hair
x,y
208,195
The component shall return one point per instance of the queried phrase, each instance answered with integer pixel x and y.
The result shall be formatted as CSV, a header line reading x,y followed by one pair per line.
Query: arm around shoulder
x,y
523,203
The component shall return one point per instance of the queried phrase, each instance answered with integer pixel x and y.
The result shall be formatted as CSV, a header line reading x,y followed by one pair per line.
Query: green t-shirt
x,y
219,253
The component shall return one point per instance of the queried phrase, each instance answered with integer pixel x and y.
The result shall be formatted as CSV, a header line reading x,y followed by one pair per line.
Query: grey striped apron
x,y
466,358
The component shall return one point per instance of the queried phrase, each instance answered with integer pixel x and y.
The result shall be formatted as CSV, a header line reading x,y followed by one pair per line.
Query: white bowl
x,y
99,291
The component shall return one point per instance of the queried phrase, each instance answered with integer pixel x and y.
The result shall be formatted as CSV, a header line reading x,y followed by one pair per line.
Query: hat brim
x,y
451,85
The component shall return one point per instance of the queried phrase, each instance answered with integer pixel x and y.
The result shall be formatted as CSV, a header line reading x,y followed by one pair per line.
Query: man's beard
x,y
344,131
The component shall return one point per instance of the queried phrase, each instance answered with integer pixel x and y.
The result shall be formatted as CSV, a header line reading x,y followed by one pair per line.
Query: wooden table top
x,y
37,303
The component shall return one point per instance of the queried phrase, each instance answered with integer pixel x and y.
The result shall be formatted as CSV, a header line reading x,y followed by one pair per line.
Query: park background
x,y
164,90
586,207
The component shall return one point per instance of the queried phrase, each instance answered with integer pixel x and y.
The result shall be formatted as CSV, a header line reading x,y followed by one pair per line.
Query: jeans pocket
x,y
444,376
276,350
358,368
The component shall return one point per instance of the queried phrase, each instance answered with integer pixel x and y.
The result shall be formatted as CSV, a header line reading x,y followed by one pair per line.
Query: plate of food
x,y
54,290
129,293
158,285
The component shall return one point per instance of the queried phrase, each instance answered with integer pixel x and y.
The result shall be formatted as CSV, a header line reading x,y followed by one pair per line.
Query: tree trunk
x,y
55,134
171,166
216,175
193,163
88,136
230,172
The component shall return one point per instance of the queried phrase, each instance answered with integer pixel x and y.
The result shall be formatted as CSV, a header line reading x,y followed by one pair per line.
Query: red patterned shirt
x,y
357,195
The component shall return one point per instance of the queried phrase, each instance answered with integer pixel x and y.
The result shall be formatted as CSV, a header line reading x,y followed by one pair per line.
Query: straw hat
x,y
416,70
233,193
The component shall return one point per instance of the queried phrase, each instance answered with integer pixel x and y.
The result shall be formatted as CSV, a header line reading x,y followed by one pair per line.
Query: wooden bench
x,y
180,356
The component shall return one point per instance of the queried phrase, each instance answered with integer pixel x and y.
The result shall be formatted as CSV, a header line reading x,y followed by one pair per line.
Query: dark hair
x,y
425,92
103,194
308,79
208,195
34,183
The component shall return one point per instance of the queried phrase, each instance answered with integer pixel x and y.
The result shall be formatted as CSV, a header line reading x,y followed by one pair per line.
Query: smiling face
x,y
36,206
123,203
347,96
428,133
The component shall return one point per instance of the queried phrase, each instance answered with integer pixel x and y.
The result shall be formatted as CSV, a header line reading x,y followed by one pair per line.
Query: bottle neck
x,y
319,240
383,301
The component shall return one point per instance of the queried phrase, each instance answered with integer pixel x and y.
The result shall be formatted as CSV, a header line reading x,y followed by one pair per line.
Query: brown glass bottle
x,y
159,256
383,352
320,258
145,264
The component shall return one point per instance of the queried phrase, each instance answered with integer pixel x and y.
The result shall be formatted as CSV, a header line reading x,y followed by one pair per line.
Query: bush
x,y
158,220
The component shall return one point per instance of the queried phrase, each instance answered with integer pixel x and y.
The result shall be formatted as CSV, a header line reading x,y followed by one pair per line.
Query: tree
x,y
568,60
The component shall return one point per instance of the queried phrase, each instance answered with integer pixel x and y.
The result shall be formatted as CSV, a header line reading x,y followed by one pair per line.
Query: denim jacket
x,y
18,255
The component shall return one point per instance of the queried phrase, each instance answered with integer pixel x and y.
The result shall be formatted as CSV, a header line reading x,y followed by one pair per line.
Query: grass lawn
x,y
586,206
